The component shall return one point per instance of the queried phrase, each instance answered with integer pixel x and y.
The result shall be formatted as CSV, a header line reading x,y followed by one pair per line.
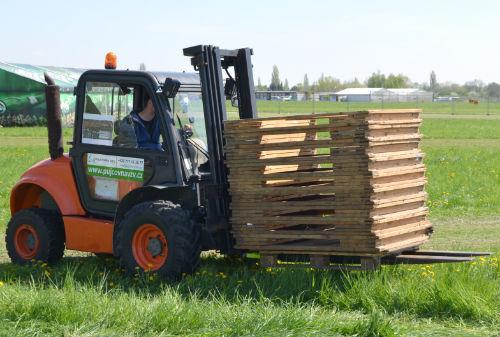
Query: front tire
x,y
35,234
158,236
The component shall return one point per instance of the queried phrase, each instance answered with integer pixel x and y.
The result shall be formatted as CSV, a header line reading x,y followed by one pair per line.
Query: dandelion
x,y
150,265
1,284
101,273
239,281
151,278
409,269
224,276
197,273
423,268
203,272
111,284
474,263
457,270
46,272
137,268
424,274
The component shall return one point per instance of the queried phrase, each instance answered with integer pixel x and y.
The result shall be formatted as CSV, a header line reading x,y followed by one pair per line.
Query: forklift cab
x,y
108,161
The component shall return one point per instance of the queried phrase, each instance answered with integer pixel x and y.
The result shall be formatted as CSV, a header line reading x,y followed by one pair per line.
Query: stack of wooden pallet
x,y
333,184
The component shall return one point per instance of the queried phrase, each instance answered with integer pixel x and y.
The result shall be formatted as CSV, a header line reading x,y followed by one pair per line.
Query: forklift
x,y
154,209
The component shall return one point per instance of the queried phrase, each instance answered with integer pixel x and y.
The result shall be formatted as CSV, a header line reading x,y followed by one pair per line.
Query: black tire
x,y
177,228
49,229
193,260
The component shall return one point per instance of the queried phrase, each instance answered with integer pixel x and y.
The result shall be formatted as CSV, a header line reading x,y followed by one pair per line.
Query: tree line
x,y
474,88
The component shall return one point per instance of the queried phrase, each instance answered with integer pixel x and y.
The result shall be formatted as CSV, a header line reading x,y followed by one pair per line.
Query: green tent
x,y
22,96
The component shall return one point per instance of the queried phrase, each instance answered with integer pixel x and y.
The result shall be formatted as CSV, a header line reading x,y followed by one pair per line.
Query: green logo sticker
x,y
128,168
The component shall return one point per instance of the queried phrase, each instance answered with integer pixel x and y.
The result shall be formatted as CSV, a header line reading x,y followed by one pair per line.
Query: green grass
x,y
90,296
83,295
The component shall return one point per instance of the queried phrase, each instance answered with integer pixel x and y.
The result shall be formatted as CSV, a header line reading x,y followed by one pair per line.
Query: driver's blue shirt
x,y
146,140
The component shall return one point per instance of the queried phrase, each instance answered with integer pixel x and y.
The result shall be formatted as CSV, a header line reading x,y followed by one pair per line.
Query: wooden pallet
x,y
350,183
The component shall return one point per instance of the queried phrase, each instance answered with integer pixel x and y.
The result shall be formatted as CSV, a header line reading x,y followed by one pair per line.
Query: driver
x,y
146,131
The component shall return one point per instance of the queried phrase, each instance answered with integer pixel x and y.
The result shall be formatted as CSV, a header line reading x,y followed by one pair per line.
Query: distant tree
x,y
444,92
142,66
260,86
377,80
475,85
354,83
306,83
433,82
275,80
397,81
327,83
493,90
285,86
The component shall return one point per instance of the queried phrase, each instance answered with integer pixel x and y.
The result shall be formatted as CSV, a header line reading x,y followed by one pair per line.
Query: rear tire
x,y
158,236
35,234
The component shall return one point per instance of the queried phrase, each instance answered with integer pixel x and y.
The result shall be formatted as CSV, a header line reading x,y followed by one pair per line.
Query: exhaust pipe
x,y
54,124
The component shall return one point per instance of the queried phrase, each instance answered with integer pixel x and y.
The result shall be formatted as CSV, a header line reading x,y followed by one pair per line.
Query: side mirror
x,y
170,87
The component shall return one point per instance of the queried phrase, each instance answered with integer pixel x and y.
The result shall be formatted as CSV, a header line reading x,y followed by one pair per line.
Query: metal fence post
x,y
452,106
279,107
313,103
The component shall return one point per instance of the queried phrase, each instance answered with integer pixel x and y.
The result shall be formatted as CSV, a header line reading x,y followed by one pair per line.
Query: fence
x,y
487,106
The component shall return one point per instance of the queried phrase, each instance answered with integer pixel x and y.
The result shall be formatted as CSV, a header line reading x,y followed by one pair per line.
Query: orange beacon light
x,y
110,62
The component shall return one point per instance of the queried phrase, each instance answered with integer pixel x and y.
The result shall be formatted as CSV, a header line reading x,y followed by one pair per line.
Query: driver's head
x,y
147,103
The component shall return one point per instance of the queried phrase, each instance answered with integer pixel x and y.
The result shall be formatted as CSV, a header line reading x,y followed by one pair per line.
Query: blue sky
x,y
459,40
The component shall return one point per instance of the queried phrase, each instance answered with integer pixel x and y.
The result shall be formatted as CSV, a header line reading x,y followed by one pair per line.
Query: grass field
x,y
86,296
455,108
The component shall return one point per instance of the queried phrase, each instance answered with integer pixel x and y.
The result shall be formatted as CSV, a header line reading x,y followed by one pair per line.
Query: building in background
x,y
22,93
383,95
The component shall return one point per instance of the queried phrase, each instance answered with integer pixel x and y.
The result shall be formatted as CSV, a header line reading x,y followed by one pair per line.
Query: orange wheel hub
x,y
149,247
26,242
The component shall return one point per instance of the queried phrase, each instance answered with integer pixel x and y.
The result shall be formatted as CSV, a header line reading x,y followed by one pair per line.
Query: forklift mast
x,y
209,61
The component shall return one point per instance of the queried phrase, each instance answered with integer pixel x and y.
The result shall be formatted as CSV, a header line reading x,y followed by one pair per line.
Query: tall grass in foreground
x,y
93,296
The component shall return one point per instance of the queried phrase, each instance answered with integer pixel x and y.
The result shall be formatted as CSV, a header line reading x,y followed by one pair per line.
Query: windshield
x,y
188,108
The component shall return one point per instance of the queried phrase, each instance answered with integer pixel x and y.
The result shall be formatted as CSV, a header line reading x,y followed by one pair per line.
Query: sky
x,y
345,39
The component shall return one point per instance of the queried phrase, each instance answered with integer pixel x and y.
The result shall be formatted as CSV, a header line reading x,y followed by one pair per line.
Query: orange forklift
x,y
154,209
